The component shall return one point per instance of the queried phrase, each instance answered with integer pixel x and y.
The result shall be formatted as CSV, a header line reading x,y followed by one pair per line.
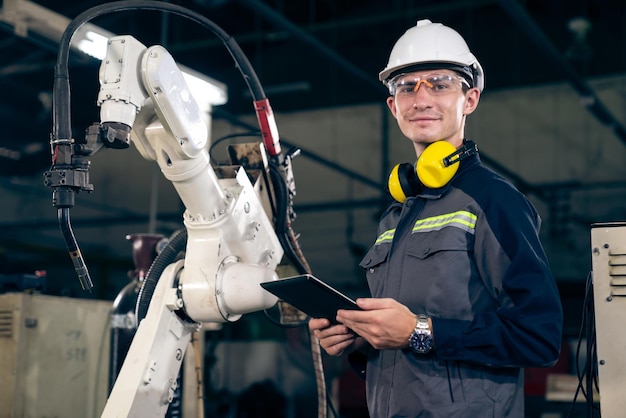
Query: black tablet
x,y
310,295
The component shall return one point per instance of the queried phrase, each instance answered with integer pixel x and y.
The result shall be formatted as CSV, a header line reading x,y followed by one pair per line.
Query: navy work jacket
x,y
468,255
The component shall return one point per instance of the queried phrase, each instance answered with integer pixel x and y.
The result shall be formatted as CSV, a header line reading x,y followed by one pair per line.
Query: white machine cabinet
x,y
54,356
608,248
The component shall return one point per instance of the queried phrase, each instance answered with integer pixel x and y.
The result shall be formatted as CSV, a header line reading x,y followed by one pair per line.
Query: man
x,y
462,294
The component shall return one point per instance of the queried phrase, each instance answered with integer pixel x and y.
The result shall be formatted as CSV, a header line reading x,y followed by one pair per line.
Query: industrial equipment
x,y
608,249
47,364
231,242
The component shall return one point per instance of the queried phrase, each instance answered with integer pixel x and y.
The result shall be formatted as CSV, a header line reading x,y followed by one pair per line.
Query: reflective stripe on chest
x,y
461,219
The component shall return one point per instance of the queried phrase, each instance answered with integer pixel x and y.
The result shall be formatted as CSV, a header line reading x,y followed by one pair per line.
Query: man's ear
x,y
391,103
472,97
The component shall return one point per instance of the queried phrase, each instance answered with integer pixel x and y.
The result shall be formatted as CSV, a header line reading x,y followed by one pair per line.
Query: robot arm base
x,y
148,378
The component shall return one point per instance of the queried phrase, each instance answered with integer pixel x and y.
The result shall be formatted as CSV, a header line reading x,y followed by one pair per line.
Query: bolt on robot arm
x,y
231,245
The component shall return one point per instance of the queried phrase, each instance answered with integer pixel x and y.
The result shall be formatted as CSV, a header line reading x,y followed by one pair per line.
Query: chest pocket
x,y
425,244
373,264
452,232
444,262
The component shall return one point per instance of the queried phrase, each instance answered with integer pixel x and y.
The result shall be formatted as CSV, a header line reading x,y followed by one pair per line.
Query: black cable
x,y
282,232
587,376
227,137
588,393
176,244
63,215
280,223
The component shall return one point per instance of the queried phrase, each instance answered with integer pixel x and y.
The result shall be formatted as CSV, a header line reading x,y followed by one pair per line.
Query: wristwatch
x,y
421,339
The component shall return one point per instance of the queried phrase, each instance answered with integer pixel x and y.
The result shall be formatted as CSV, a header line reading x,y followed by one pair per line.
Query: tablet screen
x,y
310,295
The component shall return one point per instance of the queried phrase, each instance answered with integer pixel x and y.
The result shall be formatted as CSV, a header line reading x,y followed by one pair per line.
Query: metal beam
x,y
352,23
589,98
261,9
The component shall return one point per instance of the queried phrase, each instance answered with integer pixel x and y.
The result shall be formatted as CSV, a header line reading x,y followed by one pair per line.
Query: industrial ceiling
x,y
308,53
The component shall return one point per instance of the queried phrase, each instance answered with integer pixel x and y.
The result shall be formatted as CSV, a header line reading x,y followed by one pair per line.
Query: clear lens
x,y
407,85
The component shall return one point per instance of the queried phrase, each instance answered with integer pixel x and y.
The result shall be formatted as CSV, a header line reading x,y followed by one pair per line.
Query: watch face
x,y
421,342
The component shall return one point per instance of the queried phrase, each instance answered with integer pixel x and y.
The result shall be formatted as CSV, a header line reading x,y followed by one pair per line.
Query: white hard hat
x,y
430,46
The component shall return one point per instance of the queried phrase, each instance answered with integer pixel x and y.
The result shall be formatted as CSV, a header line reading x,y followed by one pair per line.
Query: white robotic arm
x,y
231,244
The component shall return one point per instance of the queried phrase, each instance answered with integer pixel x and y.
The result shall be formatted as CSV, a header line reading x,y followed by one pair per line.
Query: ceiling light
x,y
26,16
93,44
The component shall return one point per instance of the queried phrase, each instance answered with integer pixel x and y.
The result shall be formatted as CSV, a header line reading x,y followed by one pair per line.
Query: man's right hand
x,y
335,339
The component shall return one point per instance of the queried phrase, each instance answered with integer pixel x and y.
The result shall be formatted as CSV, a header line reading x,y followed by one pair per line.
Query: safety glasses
x,y
406,85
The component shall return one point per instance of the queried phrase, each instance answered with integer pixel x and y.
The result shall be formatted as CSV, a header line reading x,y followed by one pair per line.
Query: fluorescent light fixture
x,y
26,16
93,44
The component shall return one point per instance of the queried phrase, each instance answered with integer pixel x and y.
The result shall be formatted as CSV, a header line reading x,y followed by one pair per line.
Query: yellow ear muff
x,y
394,186
430,167
403,182
434,169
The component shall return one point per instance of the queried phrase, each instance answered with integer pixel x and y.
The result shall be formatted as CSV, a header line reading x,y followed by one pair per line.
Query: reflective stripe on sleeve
x,y
386,236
